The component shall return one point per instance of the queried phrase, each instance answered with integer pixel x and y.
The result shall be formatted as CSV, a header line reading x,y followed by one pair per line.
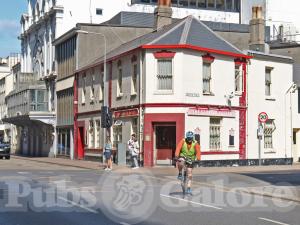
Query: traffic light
x,y
106,117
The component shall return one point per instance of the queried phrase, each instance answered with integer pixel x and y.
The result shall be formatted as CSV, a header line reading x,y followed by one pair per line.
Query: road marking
x,y
78,205
272,221
23,172
196,203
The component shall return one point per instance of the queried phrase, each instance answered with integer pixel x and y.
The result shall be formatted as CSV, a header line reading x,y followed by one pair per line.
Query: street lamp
x,y
290,90
104,72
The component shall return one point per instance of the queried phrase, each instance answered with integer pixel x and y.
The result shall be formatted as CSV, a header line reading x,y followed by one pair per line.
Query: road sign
x,y
263,117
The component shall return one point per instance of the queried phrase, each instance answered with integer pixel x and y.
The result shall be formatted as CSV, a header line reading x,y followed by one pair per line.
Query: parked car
x,y
4,151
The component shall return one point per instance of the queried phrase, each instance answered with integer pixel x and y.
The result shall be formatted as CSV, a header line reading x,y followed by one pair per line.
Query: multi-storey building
x,y
85,43
6,85
183,76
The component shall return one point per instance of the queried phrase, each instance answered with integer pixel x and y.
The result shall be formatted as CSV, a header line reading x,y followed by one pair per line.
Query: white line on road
x,y
196,203
76,204
272,221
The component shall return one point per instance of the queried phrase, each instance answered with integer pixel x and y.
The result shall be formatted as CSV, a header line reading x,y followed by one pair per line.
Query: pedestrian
x,y
133,147
108,154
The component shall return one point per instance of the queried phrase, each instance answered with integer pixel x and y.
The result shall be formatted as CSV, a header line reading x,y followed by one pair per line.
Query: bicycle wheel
x,y
183,183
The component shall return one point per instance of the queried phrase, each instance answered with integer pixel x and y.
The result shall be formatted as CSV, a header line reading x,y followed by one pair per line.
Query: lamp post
x,y
291,90
104,75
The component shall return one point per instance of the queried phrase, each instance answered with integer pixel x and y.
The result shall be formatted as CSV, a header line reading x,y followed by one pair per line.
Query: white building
x,y
6,86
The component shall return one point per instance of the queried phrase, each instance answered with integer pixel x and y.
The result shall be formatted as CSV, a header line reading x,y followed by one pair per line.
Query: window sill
x,y
208,94
120,95
270,151
133,94
270,98
238,93
164,92
231,146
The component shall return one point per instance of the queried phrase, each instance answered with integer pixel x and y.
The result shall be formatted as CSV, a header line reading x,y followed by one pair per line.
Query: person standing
x,y
133,147
108,154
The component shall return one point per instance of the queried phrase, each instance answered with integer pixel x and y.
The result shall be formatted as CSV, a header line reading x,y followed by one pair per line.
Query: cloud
x,y
9,28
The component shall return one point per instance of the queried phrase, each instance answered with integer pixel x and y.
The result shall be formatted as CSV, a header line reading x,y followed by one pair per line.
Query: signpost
x,y
262,118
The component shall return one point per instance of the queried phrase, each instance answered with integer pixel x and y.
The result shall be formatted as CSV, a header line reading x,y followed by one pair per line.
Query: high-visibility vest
x,y
188,153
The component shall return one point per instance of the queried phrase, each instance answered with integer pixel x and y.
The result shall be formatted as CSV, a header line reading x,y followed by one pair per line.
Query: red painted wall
x,y
149,120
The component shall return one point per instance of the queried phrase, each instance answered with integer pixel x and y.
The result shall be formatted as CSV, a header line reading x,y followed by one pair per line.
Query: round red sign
x,y
263,117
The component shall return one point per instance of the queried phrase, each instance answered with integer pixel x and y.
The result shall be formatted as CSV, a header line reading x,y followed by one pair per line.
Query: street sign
x,y
263,117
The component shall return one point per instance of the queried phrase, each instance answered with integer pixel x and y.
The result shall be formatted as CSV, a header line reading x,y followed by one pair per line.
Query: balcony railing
x,y
23,80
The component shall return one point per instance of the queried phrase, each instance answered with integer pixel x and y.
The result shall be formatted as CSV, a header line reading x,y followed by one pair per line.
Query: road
x,y
33,193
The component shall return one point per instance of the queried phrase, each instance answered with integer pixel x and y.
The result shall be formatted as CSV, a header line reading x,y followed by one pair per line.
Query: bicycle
x,y
184,175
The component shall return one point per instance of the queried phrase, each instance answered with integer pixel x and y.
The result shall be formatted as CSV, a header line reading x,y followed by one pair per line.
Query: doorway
x,y
80,143
165,143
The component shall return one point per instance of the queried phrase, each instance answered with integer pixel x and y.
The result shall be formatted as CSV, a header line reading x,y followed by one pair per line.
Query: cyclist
x,y
188,149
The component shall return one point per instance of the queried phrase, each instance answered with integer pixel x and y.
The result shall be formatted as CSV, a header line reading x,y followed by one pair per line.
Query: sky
x,y
10,28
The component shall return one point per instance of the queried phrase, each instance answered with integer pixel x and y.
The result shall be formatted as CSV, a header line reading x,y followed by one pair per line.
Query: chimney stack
x,y
257,30
163,14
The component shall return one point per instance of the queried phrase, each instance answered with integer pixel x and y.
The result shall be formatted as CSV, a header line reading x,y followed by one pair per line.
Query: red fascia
x,y
196,48
164,54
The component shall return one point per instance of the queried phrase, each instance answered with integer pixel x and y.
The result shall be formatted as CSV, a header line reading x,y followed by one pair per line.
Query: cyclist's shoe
x,y
189,191
179,177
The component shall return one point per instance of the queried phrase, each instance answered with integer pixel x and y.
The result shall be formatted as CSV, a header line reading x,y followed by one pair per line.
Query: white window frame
x,y
206,78
92,89
134,78
83,89
268,81
117,135
91,134
120,79
215,133
238,79
97,134
134,125
169,76
268,134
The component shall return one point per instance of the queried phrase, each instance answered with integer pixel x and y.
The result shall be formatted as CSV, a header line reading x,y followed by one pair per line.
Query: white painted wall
x,y
275,107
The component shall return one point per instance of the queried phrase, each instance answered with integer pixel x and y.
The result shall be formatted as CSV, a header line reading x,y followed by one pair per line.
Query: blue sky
x,y
10,14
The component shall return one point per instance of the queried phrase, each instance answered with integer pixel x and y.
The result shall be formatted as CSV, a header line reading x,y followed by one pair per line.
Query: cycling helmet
x,y
189,136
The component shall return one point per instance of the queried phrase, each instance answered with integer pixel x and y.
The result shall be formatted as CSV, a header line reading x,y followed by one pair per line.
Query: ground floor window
x,y
63,142
117,135
134,126
214,133
97,134
91,134
268,133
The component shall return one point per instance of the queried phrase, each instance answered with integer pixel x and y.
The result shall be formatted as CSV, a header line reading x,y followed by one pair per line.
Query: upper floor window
x,y
134,75
83,89
92,93
268,81
164,74
99,11
206,78
238,77
120,76
91,134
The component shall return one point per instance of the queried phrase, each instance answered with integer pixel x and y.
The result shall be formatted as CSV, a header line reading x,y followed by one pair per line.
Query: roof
x,y
188,33
268,56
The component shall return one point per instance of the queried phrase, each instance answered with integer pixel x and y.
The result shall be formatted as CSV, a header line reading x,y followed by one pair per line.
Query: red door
x,y
80,142
165,135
